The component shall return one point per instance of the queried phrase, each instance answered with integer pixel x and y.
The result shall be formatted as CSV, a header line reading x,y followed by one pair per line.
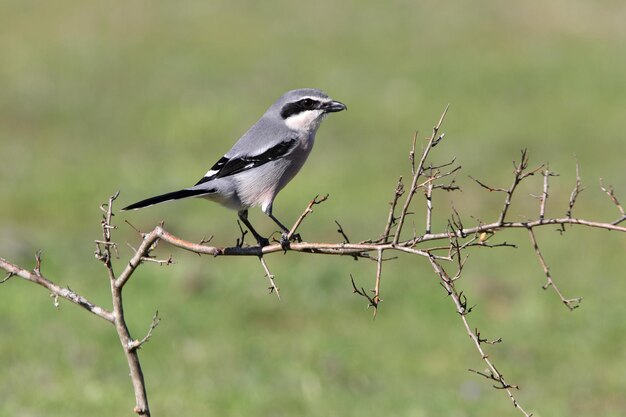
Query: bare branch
x,y
570,303
489,342
391,219
544,195
575,192
610,192
417,172
136,344
487,187
429,204
342,232
309,209
520,174
461,306
363,293
379,267
65,293
117,285
546,173
272,288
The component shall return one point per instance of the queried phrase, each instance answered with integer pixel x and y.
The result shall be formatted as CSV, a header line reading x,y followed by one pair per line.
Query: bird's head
x,y
304,109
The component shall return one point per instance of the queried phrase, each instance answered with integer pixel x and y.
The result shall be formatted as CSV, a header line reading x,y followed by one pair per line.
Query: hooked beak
x,y
333,106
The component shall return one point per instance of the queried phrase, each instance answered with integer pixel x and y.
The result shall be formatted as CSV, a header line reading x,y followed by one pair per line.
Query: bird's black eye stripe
x,y
299,106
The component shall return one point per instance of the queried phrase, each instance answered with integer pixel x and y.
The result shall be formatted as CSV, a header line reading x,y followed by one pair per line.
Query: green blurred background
x,y
143,96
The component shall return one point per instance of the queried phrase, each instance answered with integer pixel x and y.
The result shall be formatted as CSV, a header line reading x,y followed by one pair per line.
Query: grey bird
x,y
263,160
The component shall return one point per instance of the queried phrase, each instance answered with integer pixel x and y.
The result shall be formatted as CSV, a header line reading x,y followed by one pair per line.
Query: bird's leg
x,y
243,216
284,239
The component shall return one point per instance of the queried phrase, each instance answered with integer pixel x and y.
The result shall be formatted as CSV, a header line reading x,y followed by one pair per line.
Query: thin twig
x,y
132,357
461,306
273,288
136,344
391,219
309,209
342,232
546,173
363,293
379,267
417,172
570,303
429,205
575,192
520,174
65,293
611,193
7,277
544,194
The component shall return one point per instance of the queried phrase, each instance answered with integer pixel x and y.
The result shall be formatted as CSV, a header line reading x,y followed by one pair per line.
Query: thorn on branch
x,y
372,301
148,258
481,340
142,234
7,277
161,262
496,378
342,233
346,240
37,269
205,240
499,245
465,310
432,167
272,288
487,187
448,291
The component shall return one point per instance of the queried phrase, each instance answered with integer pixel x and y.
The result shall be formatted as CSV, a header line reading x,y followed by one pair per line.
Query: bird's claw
x,y
284,241
296,237
263,242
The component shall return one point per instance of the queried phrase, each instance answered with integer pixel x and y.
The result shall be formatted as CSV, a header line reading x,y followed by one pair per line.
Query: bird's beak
x,y
333,106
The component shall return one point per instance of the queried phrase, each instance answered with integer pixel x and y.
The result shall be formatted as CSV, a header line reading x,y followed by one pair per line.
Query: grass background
x,y
142,96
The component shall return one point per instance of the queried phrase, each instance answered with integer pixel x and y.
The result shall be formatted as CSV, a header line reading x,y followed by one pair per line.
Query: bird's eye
x,y
307,103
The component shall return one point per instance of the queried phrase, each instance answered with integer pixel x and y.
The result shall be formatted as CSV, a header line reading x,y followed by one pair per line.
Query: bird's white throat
x,y
306,120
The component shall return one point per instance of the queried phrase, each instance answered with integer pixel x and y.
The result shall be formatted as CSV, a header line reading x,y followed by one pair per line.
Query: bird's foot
x,y
262,241
285,240
296,238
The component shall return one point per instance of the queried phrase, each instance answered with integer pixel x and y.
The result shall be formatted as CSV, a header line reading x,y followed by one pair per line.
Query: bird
x,y
263,160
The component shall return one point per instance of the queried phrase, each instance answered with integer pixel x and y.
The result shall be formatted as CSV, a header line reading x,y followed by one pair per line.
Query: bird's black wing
x,y
230,166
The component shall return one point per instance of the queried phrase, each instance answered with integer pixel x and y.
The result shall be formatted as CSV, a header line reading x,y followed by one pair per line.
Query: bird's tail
x,y
174,195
